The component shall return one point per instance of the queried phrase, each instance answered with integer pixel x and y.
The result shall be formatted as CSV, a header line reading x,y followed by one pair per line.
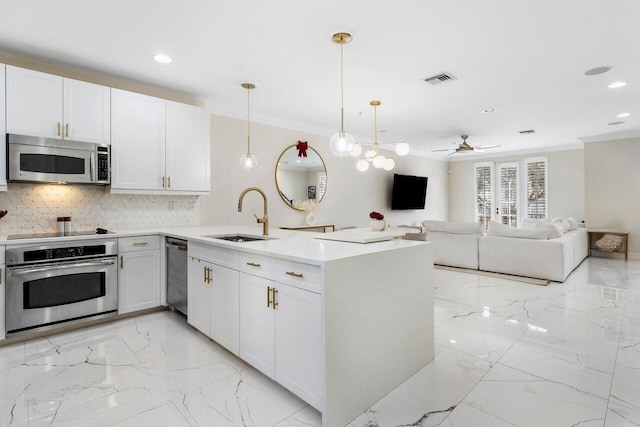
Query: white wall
x,y
566,174
612,187
350,195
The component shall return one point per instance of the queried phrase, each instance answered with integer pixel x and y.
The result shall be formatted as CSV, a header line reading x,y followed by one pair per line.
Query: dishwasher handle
x,y
180,245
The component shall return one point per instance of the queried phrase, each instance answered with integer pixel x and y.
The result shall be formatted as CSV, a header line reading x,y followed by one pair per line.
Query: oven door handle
x,y
48,267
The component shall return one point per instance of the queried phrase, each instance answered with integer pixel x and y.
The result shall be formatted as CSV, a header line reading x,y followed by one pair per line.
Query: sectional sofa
x,y
521,252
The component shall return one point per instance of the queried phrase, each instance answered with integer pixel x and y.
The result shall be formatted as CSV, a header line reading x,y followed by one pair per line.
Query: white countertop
x,y
286,244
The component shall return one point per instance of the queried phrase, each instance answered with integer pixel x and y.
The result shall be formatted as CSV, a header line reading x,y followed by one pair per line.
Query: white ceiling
x,y
524,58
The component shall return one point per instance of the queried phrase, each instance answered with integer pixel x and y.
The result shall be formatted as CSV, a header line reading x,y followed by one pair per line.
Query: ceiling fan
x,y
464,147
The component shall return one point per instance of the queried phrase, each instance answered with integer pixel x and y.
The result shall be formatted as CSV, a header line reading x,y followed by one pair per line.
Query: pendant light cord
x,y
248,125
342,87
375,124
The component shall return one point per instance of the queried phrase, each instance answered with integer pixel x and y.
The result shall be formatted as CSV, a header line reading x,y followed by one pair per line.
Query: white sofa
x,y
455,243
550,259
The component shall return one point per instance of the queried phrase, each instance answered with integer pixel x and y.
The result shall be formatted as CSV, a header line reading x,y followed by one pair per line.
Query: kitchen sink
x,y
239,238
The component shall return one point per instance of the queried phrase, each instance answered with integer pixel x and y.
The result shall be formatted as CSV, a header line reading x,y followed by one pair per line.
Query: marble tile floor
x,y
507,354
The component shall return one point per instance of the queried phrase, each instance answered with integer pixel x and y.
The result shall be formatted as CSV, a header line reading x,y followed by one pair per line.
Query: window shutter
x,y
508,194
536,188
484,193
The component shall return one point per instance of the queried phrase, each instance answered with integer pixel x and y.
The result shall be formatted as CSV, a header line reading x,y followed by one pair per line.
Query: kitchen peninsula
x,y
340,324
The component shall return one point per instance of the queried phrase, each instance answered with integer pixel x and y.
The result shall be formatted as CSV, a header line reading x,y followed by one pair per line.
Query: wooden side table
x,y
318,227
596,234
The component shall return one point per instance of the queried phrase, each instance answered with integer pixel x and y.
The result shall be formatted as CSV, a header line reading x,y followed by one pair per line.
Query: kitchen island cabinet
x,y
3,288
213,297
340,325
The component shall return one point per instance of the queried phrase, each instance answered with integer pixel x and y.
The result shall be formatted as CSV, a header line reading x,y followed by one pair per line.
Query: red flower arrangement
x,y
376,215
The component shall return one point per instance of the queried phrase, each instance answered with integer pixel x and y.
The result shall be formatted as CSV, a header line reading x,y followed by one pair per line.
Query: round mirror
x,y
300,178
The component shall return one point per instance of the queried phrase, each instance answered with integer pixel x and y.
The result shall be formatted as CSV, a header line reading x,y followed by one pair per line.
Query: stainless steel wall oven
x,y
55,283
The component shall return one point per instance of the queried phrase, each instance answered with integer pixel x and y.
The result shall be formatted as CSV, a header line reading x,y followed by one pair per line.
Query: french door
x,y
507,189
497,193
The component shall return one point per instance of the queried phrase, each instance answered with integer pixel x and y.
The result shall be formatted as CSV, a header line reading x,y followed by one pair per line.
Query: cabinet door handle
x,y
269,289
66,129
59,124
169,182
163,182
0,275
140,244
121,262
275,298
291,273
253,264
204,279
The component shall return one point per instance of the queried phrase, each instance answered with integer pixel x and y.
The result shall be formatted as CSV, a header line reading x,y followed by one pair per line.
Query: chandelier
x,y
373,156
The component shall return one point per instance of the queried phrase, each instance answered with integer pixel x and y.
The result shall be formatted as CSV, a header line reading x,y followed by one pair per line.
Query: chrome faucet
x,y
264,220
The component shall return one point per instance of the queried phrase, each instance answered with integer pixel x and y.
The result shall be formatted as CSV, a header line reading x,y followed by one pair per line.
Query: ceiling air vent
x,y
440,78
527,132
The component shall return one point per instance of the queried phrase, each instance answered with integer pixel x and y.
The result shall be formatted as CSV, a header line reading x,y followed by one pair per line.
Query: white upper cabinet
x,y
188,148
45,105
3,131
158,146
137,142
87,112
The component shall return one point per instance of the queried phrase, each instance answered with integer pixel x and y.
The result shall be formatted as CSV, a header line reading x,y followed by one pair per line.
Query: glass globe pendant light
x,y
248,161
342,144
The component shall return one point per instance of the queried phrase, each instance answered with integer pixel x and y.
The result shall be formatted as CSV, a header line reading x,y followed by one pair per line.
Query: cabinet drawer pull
x,y
254,264
275,298
140,244
291,273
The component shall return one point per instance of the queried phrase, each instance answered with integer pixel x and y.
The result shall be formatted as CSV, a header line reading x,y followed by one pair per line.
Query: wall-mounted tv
x,y
409,192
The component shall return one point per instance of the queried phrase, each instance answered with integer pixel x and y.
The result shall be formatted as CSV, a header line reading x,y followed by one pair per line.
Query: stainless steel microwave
x,y
34,159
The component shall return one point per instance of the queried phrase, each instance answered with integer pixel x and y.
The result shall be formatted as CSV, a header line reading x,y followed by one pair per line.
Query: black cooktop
x,y
40,235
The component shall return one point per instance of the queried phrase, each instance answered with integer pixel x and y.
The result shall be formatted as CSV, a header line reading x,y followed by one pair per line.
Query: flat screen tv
x,y
409,192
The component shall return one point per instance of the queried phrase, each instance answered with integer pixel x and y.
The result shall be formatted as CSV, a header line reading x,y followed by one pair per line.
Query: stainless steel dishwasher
x,y
177,274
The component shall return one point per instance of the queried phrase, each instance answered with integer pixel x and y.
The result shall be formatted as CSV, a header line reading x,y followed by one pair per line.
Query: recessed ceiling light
x,y
489,110
597,70
162,58
621,115
615,123
616,85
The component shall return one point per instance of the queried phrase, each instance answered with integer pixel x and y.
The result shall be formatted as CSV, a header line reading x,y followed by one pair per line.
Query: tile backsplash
x,y
34,208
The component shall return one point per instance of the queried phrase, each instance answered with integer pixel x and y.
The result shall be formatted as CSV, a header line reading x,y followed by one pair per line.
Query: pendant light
x,y
248,161
341,144
372,155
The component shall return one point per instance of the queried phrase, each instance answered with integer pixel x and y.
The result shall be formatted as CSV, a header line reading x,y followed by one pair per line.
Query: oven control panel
x,y
34,254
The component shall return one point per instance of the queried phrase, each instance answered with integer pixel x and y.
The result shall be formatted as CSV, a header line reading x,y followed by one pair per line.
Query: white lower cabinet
x,y
281,334
138,273
3,287
257,323
213,302
266,310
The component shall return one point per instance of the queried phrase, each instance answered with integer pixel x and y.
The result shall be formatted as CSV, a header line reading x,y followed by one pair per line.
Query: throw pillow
x,y
558,220
453,227
573,223
501,230
553,230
